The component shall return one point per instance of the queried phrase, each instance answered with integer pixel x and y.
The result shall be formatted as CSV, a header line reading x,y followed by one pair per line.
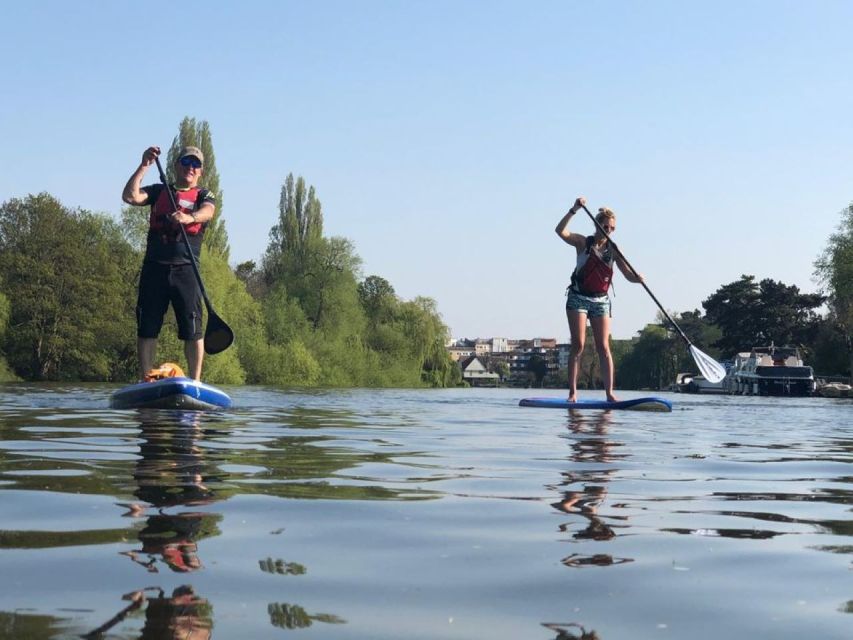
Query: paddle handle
x,y
184,234
625,260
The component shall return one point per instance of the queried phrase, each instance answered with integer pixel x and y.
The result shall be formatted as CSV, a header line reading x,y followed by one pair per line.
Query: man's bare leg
x,y
194,351
146,349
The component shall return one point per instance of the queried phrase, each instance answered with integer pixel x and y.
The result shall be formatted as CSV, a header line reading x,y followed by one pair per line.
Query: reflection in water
x,y
597,560
331,506
171,472
590,444
743,534
281,567
568,631
179,616
291,616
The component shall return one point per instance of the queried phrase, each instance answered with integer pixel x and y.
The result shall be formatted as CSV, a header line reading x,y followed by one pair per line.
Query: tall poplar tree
x,y
298,233
197,134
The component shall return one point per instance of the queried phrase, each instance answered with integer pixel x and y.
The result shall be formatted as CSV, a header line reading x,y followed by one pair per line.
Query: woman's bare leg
x,y
577,333
601,333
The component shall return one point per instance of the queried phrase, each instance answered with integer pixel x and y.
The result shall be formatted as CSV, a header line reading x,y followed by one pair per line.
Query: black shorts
x,y
160,284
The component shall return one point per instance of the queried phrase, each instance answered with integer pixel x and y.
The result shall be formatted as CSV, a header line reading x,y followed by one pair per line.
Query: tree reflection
x,y
292,616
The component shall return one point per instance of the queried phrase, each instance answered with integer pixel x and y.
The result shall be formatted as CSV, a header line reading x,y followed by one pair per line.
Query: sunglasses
x,y
190,161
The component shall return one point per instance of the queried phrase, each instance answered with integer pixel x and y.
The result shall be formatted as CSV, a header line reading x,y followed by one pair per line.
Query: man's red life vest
x,y
165,241
160,218
594,271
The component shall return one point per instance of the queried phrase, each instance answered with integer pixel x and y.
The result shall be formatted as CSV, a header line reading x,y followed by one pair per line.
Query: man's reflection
x,y
180,615
172,471
585,490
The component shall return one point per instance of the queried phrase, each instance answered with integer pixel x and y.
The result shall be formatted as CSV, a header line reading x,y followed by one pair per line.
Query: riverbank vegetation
x,y
738,316
304,314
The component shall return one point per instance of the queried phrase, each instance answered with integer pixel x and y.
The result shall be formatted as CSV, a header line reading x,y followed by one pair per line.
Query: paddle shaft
x,y
649,291
186,238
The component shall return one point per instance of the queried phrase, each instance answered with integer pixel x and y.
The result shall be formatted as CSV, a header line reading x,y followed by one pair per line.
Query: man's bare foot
x,y
612,398
573,399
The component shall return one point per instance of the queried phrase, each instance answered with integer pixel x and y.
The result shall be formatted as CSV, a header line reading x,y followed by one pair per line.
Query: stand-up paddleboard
x,y
635,404
170,393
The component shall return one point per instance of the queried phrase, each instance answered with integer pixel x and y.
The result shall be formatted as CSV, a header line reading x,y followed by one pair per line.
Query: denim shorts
x,y
593,307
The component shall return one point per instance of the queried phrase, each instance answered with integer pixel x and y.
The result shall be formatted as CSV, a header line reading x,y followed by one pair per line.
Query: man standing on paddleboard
x,y
167,271
587,294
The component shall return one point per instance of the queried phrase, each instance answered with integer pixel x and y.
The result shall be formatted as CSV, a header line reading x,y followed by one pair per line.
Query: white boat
x,y
770,371
697,383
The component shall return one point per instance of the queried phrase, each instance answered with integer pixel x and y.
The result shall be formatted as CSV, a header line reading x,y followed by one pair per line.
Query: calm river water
x,y
424,514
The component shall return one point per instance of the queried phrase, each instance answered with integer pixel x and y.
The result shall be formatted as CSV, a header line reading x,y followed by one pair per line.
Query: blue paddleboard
x,y
170,393
636,404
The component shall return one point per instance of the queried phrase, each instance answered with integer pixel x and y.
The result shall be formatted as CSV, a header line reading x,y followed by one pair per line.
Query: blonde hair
x,y
605,214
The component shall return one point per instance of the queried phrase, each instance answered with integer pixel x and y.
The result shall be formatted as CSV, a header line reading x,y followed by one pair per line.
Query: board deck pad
x,y
170,393
634,404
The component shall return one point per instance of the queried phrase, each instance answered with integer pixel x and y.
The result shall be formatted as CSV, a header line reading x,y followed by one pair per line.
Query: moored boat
x,y
697,383
834,390
770,371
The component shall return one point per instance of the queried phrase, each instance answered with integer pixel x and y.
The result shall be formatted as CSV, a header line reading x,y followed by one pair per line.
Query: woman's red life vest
x,y
594,271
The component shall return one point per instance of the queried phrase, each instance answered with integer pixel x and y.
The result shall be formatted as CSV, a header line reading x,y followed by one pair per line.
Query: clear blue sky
x,y
446,139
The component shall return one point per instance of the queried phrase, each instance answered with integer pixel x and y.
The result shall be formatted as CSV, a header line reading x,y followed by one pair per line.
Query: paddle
x,y
217,335
710,368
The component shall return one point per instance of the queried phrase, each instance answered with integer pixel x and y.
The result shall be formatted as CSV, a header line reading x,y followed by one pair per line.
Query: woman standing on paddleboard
x,y
587,294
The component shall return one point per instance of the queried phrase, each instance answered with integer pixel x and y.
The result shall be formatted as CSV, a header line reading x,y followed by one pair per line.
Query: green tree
x,y
501,368
66,272
589,367
296,235
6,374
830,350
834,270
253,277
197,134
378,299
649,364
329,285
134,227
427,335
357,332
698,329
319,272
538,367
752,314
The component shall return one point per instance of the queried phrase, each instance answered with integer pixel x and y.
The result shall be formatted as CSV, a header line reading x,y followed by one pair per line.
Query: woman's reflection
x,y
585,490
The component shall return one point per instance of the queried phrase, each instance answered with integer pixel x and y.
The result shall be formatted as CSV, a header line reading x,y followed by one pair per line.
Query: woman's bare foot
x,y
612,398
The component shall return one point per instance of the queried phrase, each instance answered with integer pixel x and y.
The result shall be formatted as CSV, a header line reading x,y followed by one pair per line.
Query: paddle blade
x,y
708,367
218,335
